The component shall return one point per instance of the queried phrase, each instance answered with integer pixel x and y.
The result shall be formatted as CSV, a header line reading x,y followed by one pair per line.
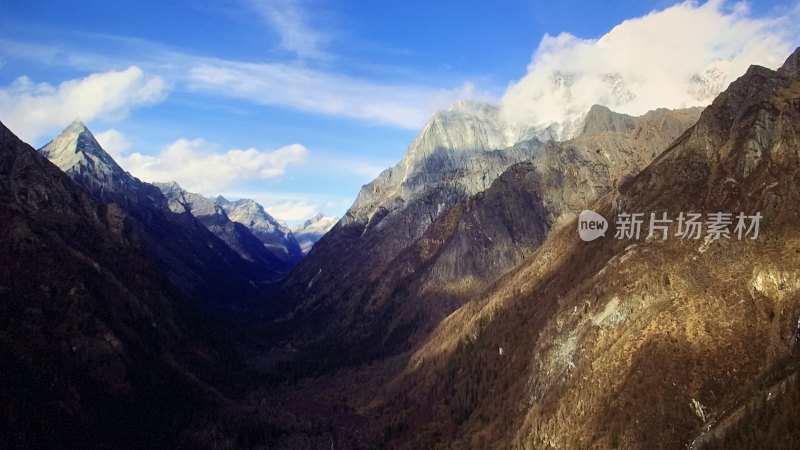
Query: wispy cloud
x,y
292,22
290,211
322,92
200,166
285,84
76,56
33,109
678,57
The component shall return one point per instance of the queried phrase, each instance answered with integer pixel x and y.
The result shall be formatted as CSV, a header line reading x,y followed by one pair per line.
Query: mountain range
x,y
254,235
454,305
490,324
255,247
195,260
660,343
411,263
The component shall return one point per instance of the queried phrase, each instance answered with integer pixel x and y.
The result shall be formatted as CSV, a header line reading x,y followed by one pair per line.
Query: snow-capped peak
x,y
271,231
318,222
456,146
468,127
312,230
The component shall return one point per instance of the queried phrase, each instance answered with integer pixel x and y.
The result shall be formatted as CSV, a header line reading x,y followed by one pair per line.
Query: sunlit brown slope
x,y
638,344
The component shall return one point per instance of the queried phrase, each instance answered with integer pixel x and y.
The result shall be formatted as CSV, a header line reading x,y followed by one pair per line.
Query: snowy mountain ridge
x,y
470,127
254,234
465,147
275,234
312,230
190,252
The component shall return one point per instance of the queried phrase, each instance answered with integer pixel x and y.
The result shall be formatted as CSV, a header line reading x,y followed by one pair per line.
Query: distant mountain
x,y
199,263
276,236
98,349
310,231
238,237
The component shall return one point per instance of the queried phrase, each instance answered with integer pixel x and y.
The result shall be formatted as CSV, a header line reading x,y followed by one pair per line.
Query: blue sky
x,y
298,103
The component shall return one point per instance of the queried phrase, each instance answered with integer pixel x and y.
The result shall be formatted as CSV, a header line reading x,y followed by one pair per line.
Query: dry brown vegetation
x,y
611,345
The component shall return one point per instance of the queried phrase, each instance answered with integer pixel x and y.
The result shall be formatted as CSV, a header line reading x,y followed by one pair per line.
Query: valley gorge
x,y
453,306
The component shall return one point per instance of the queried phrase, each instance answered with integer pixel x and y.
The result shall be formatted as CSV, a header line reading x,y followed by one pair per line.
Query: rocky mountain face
x,y
378,286
456,155
98,348
272,259
275,235
638,343
312,230
195,260
453,151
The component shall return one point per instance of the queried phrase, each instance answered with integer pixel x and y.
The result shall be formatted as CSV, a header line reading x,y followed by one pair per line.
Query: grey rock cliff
x,y
271,259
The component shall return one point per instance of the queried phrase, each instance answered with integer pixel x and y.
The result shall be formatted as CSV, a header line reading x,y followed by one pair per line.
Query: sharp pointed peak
x,y
75,140
74,130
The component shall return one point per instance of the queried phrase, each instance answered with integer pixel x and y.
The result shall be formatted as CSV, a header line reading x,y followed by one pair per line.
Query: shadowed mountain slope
x,y
200,264
98,349
273,262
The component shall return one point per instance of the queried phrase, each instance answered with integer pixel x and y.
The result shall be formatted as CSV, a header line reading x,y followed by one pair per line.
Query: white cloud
x,y
291,211
283,84
34,109
323,92
292,23
113,142
679,57
199,166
